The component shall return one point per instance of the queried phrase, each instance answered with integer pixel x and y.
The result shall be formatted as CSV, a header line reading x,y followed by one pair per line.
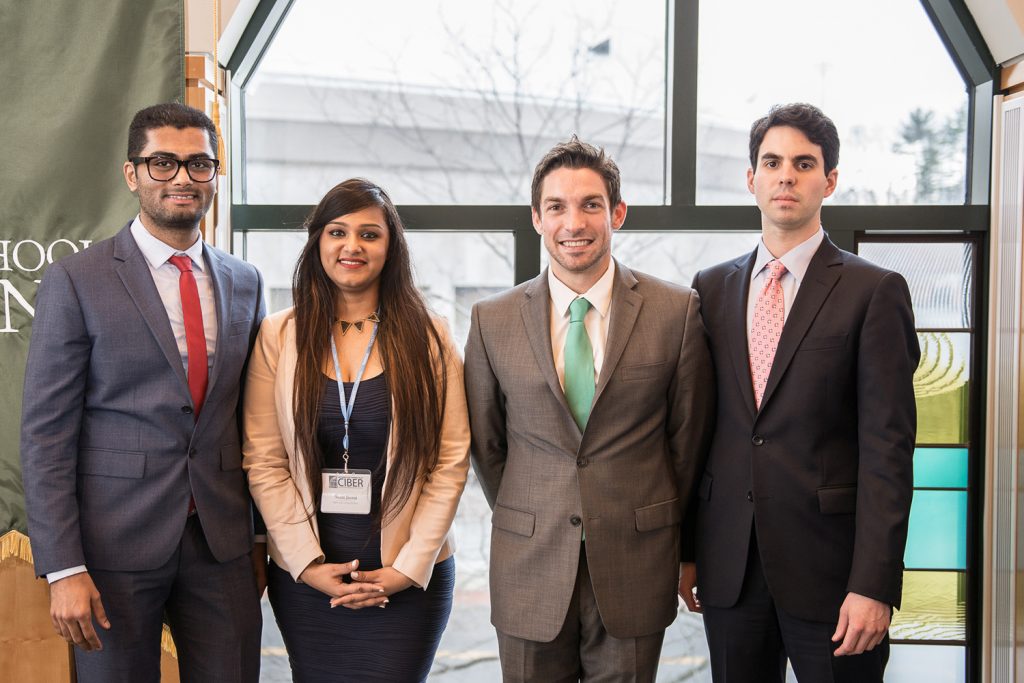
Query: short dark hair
x,y
577,154
172,114
806,118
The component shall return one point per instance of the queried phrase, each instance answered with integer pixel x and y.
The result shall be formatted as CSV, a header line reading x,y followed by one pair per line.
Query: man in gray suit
x,y
590,397
137,505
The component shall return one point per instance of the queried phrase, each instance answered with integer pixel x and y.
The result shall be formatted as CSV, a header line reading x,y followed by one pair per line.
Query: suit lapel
x,y
536,312
737,290
223,289
822,274
138,280
625,308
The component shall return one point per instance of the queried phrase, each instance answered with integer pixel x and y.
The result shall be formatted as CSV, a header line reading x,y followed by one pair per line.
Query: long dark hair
x,y
411,350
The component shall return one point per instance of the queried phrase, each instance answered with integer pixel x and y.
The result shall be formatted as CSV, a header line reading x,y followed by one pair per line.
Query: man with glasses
x,y
137,505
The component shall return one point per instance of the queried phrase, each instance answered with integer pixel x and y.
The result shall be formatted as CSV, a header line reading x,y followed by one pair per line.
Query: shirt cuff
x,y
65,573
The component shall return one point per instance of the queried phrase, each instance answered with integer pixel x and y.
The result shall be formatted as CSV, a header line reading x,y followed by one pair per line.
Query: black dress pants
x,y
750,641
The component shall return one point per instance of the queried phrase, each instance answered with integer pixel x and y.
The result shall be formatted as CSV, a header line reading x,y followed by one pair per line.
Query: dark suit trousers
x,y
212,608
583,650
750,641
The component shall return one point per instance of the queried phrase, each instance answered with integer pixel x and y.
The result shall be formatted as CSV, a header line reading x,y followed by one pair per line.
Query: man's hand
x,y
688,586
863,623
74,603
259,567
326,578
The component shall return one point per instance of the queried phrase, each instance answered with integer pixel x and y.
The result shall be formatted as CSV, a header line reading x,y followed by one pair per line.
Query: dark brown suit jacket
x,y
824,469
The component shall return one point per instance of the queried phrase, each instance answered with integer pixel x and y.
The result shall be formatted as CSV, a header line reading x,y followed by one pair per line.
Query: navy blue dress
x,y
394,644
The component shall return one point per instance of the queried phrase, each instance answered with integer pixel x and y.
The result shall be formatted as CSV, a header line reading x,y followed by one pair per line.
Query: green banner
x,y
73,75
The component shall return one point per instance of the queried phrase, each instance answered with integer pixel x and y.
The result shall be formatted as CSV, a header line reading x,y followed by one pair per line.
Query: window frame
x,y
846,224
952,23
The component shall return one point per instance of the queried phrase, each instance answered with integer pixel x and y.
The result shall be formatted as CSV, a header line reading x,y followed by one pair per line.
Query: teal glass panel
x,y
938,531
940,468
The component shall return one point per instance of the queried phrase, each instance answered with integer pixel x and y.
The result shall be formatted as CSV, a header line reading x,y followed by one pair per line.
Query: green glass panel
x,y
933,607
940,468
938,531
941,386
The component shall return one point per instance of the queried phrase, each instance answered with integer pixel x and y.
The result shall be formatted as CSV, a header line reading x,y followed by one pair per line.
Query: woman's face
x,y
353,249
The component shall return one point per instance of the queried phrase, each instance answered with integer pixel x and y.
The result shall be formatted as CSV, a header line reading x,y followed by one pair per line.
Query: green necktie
x,y
579,364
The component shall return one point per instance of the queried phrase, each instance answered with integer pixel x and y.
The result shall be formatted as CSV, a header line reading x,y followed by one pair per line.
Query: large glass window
x,y
903,136
454,101
677,257
449,104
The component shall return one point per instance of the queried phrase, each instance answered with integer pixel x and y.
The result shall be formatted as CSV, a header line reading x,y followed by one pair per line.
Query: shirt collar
x,y
796,260
157,252
599,295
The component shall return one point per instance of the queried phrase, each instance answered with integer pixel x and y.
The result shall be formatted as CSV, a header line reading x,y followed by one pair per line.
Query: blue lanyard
x,y
346,407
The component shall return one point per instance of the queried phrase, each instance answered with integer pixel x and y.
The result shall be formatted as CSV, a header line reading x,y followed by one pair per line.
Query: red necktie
x,y
195,335
769,317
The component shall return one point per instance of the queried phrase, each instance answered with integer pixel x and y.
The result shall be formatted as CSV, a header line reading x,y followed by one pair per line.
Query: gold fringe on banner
x,y
15,544
167,643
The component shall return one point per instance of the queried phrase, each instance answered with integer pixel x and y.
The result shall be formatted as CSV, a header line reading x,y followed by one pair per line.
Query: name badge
x,y
347,493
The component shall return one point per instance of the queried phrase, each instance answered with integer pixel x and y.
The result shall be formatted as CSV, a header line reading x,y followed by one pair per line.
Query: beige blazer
x,y
420,536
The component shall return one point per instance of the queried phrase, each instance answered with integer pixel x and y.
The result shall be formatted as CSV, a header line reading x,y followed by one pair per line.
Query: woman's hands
x,y
327,578
389,579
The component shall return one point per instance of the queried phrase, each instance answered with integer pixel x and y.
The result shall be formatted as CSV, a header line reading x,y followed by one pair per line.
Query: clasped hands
x,y
368,589
863,621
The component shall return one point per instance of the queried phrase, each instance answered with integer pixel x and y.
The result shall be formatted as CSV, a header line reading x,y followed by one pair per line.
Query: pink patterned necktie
x,y
769,317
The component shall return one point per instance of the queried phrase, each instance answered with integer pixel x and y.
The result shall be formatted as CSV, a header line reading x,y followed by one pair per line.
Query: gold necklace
x,y
358,324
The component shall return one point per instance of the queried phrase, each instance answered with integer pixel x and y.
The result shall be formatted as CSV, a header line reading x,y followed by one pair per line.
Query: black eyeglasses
x,y
200,169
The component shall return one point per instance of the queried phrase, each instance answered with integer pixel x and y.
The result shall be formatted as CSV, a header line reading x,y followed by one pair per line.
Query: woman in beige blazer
x,y
358,508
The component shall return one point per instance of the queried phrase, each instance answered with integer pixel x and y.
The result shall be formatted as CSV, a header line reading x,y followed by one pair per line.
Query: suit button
x,y
191,452
582,462
575,520
187,410
757,440
750,496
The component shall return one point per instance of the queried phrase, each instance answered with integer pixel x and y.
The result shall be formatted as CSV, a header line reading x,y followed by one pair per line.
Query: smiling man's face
x,y
179,203
576,220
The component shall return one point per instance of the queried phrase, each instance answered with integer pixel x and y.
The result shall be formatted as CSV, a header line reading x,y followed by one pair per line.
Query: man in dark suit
x,y
803,507
137,505
590,401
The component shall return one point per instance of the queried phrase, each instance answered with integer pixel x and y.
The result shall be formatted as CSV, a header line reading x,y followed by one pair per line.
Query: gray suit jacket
x,y
628,478
109,445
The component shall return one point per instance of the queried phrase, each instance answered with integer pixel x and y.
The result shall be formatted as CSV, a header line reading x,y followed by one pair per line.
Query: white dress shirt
x,y
796,261
596,319
165,276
